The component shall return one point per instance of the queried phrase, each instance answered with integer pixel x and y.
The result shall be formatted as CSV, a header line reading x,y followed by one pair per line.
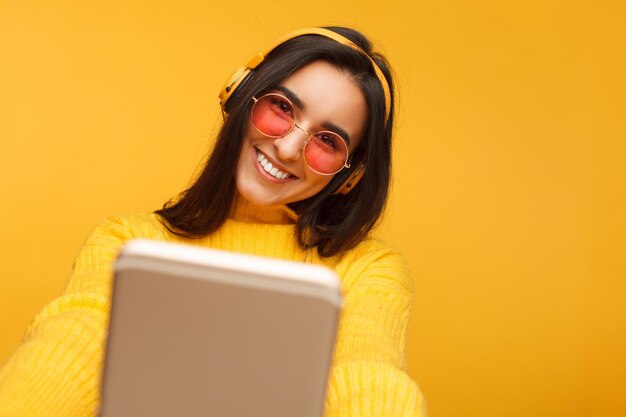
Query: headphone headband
x,y
236,79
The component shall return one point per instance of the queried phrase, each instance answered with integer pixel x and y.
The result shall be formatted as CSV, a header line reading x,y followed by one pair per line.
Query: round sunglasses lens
x,y
272,115
326,153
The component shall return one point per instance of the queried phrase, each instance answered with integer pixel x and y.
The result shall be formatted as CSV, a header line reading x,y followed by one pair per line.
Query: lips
x,y
270,168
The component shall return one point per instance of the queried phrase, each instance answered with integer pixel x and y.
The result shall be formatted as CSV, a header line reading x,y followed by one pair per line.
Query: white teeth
x,y
269,168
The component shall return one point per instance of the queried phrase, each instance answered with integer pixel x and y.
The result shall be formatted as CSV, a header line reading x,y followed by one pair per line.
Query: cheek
x,y
318,182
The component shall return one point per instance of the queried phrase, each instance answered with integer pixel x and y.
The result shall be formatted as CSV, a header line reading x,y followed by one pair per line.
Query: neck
x,y
245,211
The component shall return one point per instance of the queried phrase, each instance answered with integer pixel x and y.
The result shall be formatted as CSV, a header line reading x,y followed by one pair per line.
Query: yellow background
x,y
509,197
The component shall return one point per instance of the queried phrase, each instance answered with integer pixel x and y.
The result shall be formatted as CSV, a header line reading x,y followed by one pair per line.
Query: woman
x,y
300,171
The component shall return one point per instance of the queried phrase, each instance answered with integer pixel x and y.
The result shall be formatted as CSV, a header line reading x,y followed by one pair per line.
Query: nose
x,y
289,147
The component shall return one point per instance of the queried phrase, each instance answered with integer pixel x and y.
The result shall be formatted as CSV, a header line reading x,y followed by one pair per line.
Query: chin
x,y
261,196
254,195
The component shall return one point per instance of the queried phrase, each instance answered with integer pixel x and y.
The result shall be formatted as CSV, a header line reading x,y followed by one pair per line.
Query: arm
x,y
56,369
368,377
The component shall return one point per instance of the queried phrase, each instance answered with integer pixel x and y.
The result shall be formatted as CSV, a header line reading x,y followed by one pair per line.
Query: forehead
x,y
329,95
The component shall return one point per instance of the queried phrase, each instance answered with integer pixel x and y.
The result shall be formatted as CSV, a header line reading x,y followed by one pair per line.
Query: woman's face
x,y
325,98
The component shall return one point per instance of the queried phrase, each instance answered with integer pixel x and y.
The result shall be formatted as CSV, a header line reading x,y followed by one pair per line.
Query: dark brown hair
x,y
331,223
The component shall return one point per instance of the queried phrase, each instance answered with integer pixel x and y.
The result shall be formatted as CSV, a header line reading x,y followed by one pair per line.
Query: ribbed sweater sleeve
x,y
368,377
56,369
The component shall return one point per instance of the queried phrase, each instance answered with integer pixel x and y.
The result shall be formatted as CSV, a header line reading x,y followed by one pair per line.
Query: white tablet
x,y
199,332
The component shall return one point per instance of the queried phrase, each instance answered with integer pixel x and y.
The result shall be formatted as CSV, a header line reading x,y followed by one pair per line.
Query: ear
x,y
352,180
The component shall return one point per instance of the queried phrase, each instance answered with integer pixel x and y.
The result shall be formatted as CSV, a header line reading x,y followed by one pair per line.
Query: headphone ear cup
x,y
233,87
354,178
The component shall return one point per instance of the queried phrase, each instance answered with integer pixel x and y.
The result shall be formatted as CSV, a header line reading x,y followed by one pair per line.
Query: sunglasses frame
x,y
346,163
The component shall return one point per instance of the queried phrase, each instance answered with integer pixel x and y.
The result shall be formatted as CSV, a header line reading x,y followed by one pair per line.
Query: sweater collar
x,y
245,211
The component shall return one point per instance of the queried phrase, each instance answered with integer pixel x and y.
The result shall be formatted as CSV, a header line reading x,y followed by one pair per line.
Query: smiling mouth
x,y
270,169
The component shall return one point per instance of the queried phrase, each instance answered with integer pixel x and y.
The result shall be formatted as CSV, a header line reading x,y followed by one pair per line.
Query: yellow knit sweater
x,y
56,370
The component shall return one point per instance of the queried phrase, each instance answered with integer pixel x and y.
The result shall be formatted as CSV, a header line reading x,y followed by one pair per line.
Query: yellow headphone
x,y
237,78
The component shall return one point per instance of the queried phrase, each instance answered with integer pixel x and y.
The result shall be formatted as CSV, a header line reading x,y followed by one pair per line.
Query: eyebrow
x,y
326,125
291,96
